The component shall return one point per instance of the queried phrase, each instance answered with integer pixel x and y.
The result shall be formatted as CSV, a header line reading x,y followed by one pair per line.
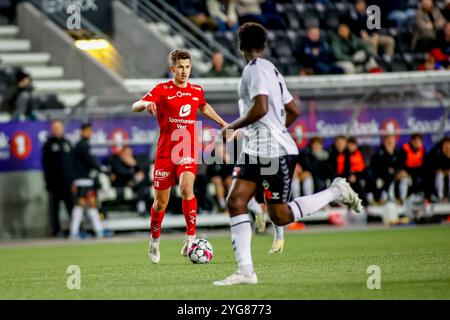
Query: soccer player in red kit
x,y
175,103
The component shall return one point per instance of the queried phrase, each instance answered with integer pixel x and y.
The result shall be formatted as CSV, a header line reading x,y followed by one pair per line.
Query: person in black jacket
x,y
57,163
84,185
315,55
127,172
314,165
437,171
384,168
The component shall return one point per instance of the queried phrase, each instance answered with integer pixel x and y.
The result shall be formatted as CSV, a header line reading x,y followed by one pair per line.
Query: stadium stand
x,y
51,90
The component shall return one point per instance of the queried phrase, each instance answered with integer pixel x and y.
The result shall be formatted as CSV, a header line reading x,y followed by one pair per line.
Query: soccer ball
x,y
200,251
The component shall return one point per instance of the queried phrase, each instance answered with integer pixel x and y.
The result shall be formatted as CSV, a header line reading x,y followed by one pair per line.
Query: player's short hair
x,y
352,140
178,54
252,36
416,135
316,140
56,120
340,137
85,126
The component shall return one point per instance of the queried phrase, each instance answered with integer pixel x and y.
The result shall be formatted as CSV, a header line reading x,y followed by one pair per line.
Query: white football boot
x,y
277,246
237,278
260,221
153,252
349,196
187,243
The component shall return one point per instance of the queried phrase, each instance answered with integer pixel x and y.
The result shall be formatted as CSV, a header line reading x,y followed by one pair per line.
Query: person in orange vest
x,y
337,159
412,155
355,167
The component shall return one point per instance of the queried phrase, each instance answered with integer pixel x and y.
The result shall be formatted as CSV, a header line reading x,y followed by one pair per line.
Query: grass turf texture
x,y
414,262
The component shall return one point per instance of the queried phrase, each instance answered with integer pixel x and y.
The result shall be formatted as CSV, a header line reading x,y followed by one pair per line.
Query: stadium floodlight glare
x,y
92,44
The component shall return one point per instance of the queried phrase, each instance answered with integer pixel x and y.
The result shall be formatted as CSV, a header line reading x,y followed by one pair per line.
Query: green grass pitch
x,y
414,263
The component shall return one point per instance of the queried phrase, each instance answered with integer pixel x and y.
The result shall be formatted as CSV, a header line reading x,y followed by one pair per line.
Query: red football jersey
x,y
176,110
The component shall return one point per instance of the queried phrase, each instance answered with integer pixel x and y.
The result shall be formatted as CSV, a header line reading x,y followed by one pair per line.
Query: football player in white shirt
x,y
268,158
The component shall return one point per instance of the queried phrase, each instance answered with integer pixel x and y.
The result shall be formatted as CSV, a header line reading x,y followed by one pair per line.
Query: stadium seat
x,y
310,18
48,102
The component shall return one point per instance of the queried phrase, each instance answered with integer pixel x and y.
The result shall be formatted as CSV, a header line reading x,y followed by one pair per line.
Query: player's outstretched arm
x,y
210,113
142,105
292,112
255,113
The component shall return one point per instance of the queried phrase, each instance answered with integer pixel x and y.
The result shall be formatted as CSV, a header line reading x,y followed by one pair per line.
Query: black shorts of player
x,y
86,192
221,170
86,188
272,176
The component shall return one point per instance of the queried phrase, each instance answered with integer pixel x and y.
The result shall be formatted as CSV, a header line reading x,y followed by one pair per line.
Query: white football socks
x,y
308,186
307,205
439,184
95,221
403,188
75,222
279,232
254,206
295,187
241,238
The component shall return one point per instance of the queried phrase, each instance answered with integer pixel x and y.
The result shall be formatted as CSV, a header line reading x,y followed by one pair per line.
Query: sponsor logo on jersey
x,y
185,121
182,94
186,160
161,174
185,110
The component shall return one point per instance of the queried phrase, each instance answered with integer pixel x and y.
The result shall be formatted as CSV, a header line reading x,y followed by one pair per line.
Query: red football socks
x,y
190,215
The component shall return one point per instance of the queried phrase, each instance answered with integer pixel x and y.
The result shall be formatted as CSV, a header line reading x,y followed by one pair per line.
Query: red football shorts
x,y
166,172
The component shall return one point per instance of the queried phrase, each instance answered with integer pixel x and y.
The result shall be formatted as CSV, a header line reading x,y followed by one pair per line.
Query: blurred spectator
x,y
57,164
337,158
442,174
126,172
429,20
18,100
411,160
314,167
272,19
383,169
219,174
358,24
443,42
356,172
446,10
430,64
398,12
224,11
219,68
259,11
315,55
85,188
197,12
7,11
351,53
249,11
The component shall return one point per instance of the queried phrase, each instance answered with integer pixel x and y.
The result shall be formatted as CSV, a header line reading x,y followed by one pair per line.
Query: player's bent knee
x,y
159,205
235,204
186,190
